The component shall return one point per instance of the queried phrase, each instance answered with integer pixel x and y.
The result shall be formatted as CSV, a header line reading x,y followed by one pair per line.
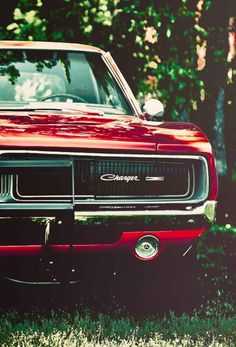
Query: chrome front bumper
x,y
170,227
201,215
198,216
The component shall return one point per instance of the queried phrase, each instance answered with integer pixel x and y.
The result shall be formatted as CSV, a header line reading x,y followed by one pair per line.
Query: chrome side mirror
x,y
153,108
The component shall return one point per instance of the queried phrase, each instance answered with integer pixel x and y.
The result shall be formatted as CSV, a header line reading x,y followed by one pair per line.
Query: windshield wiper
x,y
53,106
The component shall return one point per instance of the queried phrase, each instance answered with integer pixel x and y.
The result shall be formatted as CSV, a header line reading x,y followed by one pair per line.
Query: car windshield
x,y
29,76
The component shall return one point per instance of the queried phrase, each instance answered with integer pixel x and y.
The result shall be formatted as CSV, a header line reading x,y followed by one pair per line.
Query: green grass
x,y
214,325
211,325
217,257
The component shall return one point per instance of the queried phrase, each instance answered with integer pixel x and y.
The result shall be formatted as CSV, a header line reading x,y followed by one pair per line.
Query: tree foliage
x,y
154,42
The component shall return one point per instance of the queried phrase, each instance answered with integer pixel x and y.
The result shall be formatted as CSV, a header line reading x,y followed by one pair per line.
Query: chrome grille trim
x,y
87,199
6,184
103,155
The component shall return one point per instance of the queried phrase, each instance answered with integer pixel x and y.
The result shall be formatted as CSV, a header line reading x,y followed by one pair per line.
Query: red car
x,y
93,189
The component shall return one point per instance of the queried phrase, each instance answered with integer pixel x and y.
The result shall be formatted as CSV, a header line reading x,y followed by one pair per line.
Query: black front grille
x,y
43,182
87,179
122,178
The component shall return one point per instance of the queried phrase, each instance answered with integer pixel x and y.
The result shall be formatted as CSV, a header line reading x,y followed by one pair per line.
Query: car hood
x,y
44,130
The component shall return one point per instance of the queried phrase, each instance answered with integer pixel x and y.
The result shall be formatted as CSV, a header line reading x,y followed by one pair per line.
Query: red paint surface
x,y
76,131
125,243
98,132
20,250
